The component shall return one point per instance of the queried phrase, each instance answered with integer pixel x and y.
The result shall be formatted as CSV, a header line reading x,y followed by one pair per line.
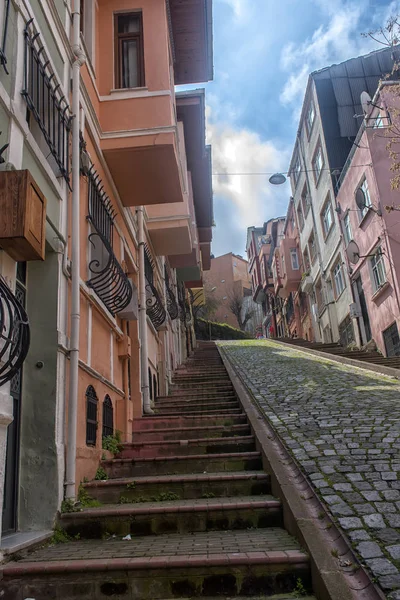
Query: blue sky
x,y
263,53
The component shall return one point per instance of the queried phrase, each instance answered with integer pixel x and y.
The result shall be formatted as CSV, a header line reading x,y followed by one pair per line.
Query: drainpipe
x,y
144,357
70,474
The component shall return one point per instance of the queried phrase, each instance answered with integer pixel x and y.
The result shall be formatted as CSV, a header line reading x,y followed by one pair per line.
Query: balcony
x,y
291,273
172,227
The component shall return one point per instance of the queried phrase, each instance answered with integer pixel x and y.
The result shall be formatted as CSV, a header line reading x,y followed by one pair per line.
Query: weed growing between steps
x,y
83,501
101,474
60,536
112,443
162,497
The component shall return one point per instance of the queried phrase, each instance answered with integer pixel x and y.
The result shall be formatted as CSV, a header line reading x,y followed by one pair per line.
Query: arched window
x,y
91,416
150,385
108,417
155,387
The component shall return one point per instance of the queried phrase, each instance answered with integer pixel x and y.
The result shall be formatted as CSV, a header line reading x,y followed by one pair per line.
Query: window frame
x,y
294,253
318,151
375,267
91,400
347,231
310,125
327,205
304,204
338,275
363,213
118,38
300,216
296,171
312,256
306,259
107,417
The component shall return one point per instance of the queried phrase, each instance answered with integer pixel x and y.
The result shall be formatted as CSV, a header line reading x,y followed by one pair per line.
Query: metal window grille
x,y
91,416
14,333
346,332
155,387
101,211
392,340
3,58
154,306
172,305
45,100
150,385
108,417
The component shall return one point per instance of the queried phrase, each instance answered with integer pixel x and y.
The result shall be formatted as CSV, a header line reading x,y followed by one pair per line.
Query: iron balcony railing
x,y
154,305
3,57
184,307
45,100
172,306
107,277
14,334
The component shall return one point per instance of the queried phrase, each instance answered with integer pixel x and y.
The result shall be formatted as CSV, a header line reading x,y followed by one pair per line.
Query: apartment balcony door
x,y
11,479
366,334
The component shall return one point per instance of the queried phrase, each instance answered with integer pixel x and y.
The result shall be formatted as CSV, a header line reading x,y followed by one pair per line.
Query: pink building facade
x,y
371,234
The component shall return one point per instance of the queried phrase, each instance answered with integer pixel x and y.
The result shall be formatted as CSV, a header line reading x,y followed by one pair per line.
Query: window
x,y
312,247
310,117
87,26
155,391
327,217
306,259
318,163
347,229
91,416
129,66
338,278
378,124
305,200
3,29
296,170
300,218
391,340
150,385
378,270
295,259
367,197
108,417
319,297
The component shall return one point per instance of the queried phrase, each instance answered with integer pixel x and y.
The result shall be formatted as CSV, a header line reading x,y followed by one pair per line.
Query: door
x,y
364,310
10,502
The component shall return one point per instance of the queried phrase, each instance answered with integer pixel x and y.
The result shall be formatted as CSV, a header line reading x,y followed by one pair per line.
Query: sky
x,y
263,53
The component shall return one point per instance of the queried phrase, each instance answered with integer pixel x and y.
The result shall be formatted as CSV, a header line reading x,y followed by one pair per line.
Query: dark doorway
x,y
364,310
10,501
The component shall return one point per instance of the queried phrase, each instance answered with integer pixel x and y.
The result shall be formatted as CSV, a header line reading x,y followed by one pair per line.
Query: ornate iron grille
x,y
14,334
91,416
172,306
154,306
3,58
45,101
107,277
101,212
108,417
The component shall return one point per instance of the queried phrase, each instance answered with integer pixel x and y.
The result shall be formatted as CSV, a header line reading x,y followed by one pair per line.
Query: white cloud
x,y
335,42
253,199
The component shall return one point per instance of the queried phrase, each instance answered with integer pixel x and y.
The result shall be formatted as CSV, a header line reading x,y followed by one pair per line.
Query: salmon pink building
x,y
368,206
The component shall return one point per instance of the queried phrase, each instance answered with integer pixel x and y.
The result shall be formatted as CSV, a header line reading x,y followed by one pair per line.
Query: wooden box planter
x,y
22,216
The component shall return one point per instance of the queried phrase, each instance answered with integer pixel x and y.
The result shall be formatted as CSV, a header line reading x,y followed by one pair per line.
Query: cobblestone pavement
x,y
342,424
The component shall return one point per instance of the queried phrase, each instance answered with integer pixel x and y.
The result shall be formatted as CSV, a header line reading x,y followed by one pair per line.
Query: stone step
x,y
206,384
163,422
187,447
189,433
246,563
174,516
201,485
170,465
207,377
200,392
206,411
200,401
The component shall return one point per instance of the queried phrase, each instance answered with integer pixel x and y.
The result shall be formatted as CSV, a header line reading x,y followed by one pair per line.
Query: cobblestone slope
x,y
342,424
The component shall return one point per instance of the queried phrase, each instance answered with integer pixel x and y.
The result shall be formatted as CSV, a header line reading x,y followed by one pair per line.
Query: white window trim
x,y
376,285
338,275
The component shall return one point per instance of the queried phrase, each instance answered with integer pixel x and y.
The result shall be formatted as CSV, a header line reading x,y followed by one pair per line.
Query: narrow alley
x,y
186,510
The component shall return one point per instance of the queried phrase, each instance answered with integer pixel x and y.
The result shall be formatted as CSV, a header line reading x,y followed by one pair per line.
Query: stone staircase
x,y
191,493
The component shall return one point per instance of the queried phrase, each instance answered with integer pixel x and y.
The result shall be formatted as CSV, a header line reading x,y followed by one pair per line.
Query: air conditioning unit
x,y
355,311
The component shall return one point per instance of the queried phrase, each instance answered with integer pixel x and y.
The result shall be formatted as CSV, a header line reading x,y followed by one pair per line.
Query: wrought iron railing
x,y
45,100
184,308
107,277
3,58
154,305
14,334
172,306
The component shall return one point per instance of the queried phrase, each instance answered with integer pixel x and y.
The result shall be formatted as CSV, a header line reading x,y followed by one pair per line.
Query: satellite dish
x,y
360,199
365,102
353,252
277,179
